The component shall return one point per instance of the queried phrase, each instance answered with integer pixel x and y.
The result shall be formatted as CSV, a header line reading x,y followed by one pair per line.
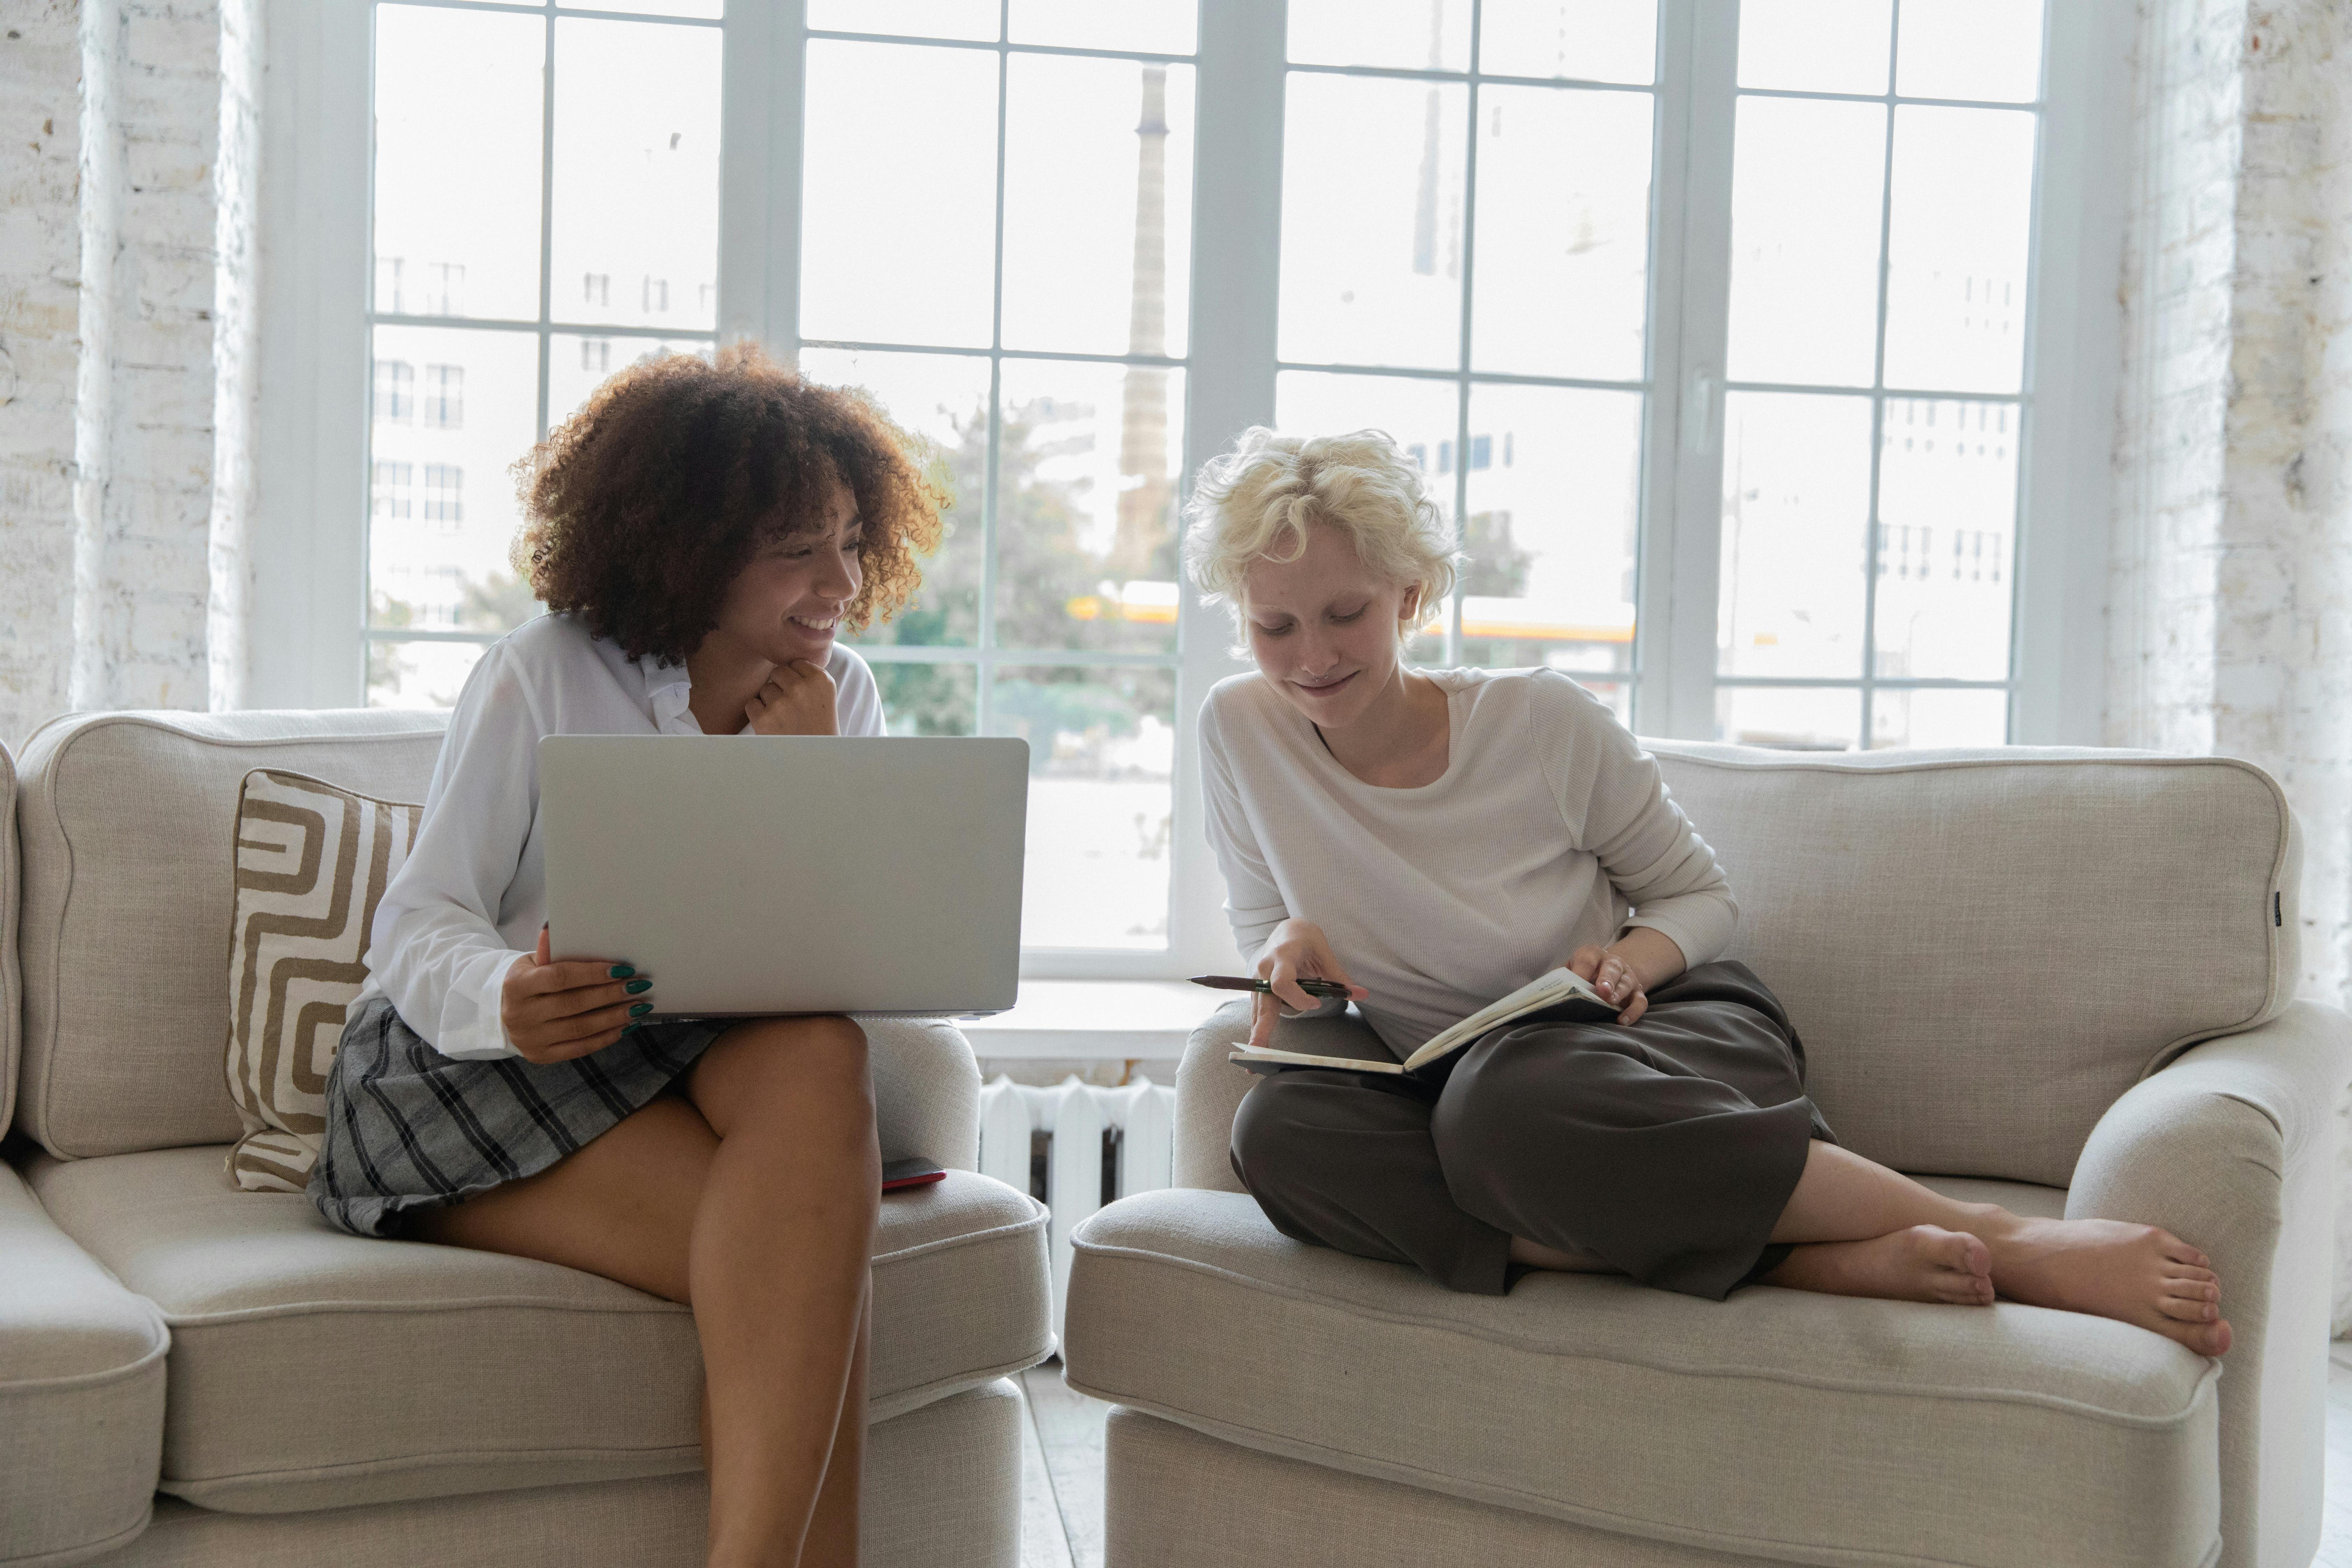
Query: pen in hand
x,y
1326,988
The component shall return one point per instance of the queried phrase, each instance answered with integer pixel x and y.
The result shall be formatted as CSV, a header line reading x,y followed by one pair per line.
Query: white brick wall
x,y
2231,602
127,323
40,247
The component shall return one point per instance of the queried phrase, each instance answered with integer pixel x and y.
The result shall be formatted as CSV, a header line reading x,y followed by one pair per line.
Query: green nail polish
x,y
641,1009
634,986
620,971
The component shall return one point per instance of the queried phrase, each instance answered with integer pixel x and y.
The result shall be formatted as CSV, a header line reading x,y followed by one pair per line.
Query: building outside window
x,y
596,288
395,391
388,270
445,502
444,397
445,288
389,499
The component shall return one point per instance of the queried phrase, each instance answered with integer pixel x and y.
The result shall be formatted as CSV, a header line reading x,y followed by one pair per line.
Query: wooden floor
x,y
2336,1524
1061,1472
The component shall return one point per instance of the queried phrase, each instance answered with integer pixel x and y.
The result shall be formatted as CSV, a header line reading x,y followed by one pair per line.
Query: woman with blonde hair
x,y
1434,839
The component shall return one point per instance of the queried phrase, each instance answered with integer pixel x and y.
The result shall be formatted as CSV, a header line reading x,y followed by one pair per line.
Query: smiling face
x,y
1325,628
787,604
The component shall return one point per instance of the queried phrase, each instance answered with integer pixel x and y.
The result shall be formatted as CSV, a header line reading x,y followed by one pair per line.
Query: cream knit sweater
x,y
1550,828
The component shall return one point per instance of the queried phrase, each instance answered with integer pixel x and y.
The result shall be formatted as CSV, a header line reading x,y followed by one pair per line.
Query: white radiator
x,y
1077,1124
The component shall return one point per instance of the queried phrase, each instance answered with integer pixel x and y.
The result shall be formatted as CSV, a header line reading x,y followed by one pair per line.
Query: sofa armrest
x,y
1209,1088
81,1392
926,1091
2232,1148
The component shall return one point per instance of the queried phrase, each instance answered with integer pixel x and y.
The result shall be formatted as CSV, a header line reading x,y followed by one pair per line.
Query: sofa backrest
x,y
125,825
1982,950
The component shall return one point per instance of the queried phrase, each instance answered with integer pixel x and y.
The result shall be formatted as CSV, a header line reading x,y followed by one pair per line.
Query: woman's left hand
x,y
1614,978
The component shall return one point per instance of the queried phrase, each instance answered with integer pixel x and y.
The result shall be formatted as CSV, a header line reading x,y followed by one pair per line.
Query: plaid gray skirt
x,y
408,1128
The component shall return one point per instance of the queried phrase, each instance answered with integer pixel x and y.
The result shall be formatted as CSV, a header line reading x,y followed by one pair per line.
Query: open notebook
x,y
1546,991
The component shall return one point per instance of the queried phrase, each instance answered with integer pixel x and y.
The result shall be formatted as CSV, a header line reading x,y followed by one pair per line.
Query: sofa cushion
x,y
1785,1425
126,823
81,1392
942,1491
1983,950
313,1369
313,861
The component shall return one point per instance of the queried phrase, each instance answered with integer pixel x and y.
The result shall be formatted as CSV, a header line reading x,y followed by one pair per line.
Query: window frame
x,y
309,564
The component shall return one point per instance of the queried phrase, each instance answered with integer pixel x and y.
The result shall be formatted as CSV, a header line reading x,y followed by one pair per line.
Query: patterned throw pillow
x,y
312,861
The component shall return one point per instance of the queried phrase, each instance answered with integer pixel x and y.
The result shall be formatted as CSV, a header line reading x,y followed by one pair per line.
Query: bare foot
x,y
1924,1263
2132,1273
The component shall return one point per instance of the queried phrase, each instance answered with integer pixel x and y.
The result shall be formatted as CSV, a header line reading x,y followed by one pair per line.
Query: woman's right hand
x,y
797,700
1296,950
554,1012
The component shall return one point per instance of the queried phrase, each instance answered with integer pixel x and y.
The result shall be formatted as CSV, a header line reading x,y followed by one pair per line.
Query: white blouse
x,y
1549,829
470,901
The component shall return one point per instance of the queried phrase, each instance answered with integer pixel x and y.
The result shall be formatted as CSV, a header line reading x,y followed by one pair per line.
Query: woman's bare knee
x,y
772,1067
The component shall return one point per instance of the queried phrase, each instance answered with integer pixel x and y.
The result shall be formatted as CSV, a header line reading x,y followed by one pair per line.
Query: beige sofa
x,y
2062,979
299,1397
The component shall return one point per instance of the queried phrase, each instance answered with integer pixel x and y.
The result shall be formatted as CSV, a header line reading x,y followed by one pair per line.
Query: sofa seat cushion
x,y
312,1368
81,1394
1779,1423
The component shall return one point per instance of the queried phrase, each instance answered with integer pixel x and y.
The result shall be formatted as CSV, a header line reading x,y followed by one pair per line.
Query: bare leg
x,y
779,1263
832,1532
1920,1264
1860,1229
620,1207
753,1243
1884,1228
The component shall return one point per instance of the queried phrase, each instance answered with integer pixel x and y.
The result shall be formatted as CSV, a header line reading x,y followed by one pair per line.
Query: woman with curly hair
x,y
700,534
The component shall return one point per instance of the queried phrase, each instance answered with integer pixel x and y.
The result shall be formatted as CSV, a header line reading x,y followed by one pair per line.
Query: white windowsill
x,y
1094,1020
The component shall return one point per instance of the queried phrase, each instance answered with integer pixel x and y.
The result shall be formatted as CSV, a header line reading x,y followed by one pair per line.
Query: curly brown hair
x,y
644,506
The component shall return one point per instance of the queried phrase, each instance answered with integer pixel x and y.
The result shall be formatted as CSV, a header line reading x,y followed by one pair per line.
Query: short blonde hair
x,y
1257,500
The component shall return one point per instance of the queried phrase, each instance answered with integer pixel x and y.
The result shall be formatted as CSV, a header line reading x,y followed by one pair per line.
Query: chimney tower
x,y
1143,423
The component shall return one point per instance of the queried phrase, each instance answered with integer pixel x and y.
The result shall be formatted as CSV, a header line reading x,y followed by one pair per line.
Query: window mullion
x,y
546,213
1235,273
992,467
2057,654
763,73
1453,655
1870,538
1690,295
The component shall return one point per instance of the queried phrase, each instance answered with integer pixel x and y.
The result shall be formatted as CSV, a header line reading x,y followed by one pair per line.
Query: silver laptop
x,y
750,874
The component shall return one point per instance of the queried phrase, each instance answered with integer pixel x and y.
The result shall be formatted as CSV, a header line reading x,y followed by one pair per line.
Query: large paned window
x,y
1466,238
1024,308
1719,330
516,151
1882,215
